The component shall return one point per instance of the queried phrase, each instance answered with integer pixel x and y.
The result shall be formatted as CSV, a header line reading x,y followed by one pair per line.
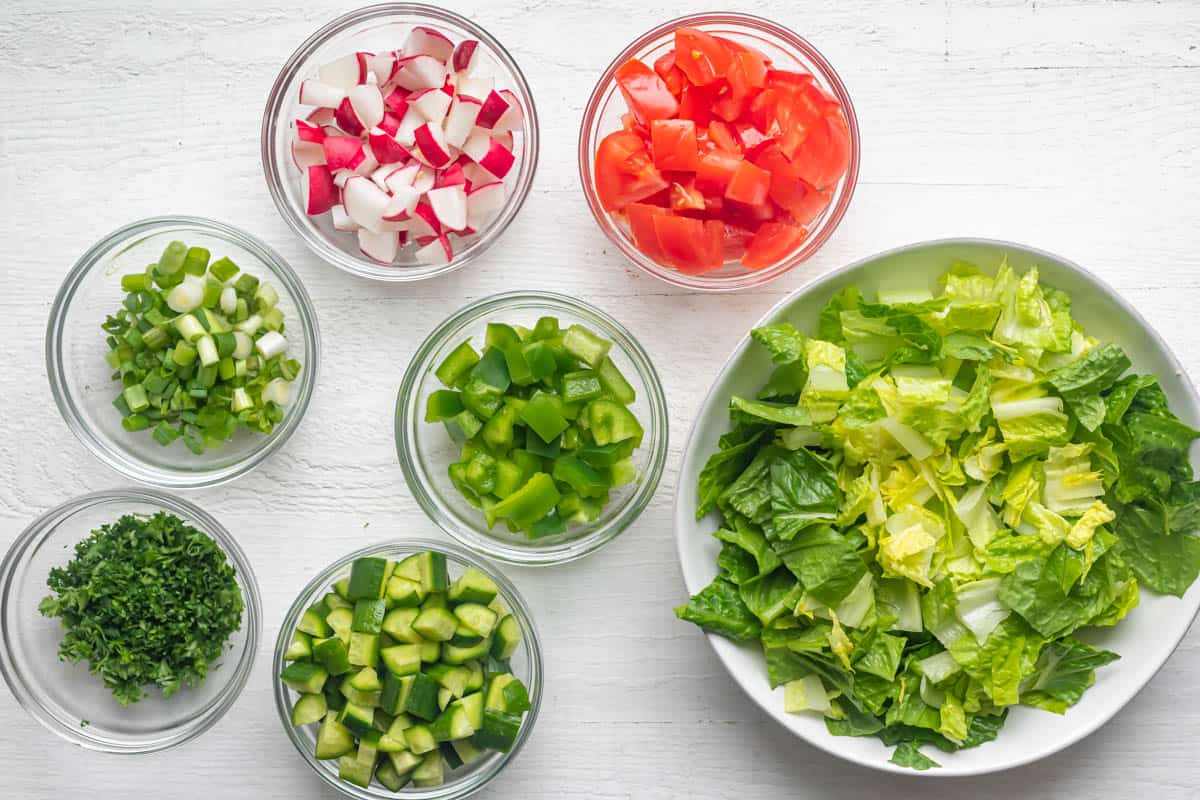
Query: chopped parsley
x,y
146,600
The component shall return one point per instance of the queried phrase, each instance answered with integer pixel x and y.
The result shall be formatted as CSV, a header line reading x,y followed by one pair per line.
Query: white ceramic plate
x,y
1144,639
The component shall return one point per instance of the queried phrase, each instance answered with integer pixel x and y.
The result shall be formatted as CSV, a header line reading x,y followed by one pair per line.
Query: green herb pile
x,y
930,497
145,600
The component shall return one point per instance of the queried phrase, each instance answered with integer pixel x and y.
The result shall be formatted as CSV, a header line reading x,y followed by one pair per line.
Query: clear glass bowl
x,y
426,450
81,380
375,28
602,116
526,665
66,698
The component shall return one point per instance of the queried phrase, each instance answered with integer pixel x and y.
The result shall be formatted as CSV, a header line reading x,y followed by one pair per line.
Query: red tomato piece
x,y
641,227
787,78
723,137
696,105
799,198
672,75
715,170
645,92
673,142
686,197
773,242
751,139
749,185
624,171
755,65
691,245
703,57
823,157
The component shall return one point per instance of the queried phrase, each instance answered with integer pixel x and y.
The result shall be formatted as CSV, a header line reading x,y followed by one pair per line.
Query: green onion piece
x,y
135,282
136,422
195,261
223,269
172,258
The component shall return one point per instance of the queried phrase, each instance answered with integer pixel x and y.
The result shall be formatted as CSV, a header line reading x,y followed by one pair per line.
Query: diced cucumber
x,y
465,637
398,624
402,659
333,739
365,680
409,568
476,617
405,592
467,752
515,697
304,677
434,600
391,744
461,655
451,724
499,730
382,720
452,678
334,698
300,647
368,577
450,755
434,577
313,625
368,616
430,652
435,624
444,698
359,767
334,600
420,739
473,705
394,696
309,708
342,588
332,654
341,620
364,649
475,682
430,772
358,697
422,698
359,720
386,774
473,586
494,696
506,638
404,762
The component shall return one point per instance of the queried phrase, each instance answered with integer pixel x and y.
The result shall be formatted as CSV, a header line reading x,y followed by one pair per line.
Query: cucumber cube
x,y
473,705
333,739
357,768
368,577
435,624
331,653
422,697
461,655
431,772
478,618
499,730
451,678
419,739
393,698
387,775
430,652
405,592
309,708
506,638
364,649
341,620
398,624
366,680
451,724
402,659
405,762
368,616
304,677
359,720
299,648
313,624
473,586
450,755
467,752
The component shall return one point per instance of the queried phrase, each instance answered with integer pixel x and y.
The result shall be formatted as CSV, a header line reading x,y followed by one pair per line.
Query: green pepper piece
x,y
457,365
458,476
585,345
518,367
501,336
498,430
543,413
580,386
482,398
481,473
509,477
529,503
540,358
527,461
550,525
442,404
614,382
545,328
492,369
581,477
463,426
551,449
604,455
609,421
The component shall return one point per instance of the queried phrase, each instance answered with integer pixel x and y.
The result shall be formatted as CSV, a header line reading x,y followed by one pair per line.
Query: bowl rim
x,y
136,468
273,171
685,504
783,35
36,533
407,413
532,642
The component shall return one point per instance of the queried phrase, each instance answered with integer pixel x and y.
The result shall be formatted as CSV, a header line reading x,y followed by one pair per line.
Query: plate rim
x,y
685,503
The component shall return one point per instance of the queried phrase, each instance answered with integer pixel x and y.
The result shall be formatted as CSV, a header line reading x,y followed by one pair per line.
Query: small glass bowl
x,y
375,28
426,450
65,698
526,665
81,380
788,50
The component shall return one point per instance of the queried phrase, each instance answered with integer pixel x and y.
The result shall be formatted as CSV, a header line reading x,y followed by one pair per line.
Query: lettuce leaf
x,y
1065,670
719,608
825,562
725,465
783,342
803,490
1055,596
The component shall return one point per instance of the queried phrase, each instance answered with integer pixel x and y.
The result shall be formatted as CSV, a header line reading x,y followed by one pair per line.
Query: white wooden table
x,y
1067,125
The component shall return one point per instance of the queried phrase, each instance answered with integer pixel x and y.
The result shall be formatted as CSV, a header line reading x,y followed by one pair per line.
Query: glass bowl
x,y
81,380
788,50
375,28
426,450
66,698
526,665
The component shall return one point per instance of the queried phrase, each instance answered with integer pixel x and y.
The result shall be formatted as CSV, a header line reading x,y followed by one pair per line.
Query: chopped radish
x,y
431,103
307,132
437,251
400,207
332,130
401,177
427,41
461,119
347,118
424,179
483,203
421,72
321,116
390,123
449,205
368,104
307,154
341,220
316,93
369,163
450,176
425,221
385,148
476,175
381,247
492,109
319,192
505,138
466,56
397,100
479,88
344,73
343,152
432,145
488,153
406,133
340,176
365,202
382,65
513,118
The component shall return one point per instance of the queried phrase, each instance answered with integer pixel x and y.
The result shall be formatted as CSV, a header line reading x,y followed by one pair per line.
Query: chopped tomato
x,y
716,171
723,137
751,139
625,173
672,75
645,92
696,105
787,78
749,184
685,197
703,58
773,242
673,142
641,226
754,64
691,245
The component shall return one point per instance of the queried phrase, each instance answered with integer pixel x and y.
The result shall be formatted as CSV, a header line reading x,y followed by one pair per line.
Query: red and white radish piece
x,y
341,220
367,103
343,152
317,93
449,205
307,154
488,153
385,148
403,203
381,247
483,203
365,202
437,251
321,117
432,104
402,177
345,72
492,109
424,222
450,176
431,145
406,133
397,100
308,132
420,72
466,56
476,87
320,194
427,41
369,163
461,119
390,123
513,118
382,65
